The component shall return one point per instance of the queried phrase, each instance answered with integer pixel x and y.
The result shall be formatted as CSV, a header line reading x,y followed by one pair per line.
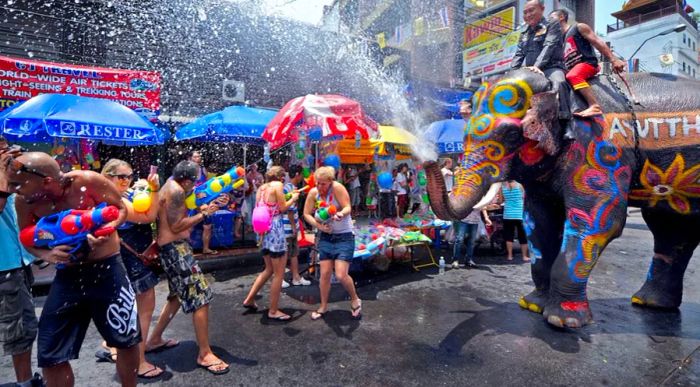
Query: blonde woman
x,y
274,243
336,239
136,235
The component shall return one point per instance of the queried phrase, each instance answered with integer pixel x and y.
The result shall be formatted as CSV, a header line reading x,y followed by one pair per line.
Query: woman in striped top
x,y
513,197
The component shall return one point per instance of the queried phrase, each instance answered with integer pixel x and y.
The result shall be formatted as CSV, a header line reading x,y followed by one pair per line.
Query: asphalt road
x,y
460,328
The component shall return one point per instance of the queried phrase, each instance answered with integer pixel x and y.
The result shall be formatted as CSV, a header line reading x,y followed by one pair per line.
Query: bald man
x,y
90,284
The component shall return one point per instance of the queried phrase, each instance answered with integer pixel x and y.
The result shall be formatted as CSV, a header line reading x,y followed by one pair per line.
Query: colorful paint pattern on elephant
x,y
603,177
507,100
674,185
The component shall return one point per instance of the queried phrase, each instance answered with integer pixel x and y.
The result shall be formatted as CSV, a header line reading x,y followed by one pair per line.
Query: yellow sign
x,y
489,28
419,26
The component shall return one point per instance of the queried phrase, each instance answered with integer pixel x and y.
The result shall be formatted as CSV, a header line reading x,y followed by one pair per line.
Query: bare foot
x,y
152,346
526,259
593,110
510,258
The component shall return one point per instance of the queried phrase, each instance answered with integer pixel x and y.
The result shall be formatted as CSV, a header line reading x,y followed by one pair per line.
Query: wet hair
x,y
561,13
325,173
275,173
110,167
185,170
294,170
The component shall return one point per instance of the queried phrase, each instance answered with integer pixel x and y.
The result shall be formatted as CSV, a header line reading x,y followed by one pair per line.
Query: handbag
x,y
149,257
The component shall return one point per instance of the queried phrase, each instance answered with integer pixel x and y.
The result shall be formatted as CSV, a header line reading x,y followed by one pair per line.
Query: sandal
x,y
252,307
210,252
283,317
315,315
357,311
106,356
209,368
148,374
167,344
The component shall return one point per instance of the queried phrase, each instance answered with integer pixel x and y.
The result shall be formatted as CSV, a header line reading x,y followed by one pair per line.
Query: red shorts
x,y
579,74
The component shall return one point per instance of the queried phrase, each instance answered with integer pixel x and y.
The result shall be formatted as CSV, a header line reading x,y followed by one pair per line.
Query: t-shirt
x,y
354,181
289,187
449,179
401,179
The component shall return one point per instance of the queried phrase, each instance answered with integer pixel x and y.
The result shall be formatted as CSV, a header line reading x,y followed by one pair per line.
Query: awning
x,y
391,140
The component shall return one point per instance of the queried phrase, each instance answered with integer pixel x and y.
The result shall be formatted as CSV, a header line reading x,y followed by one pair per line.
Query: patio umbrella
x,y
398,139
448,135
72,116
334,114
240,124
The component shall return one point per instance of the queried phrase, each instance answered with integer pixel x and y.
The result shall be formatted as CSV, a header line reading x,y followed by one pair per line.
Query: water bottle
x,y
441,265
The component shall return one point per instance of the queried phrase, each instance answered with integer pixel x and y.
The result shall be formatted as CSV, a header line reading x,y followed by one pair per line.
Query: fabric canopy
x,y
390,138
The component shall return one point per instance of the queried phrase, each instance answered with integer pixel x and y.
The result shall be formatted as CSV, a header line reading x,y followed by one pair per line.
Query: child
x,y
371,199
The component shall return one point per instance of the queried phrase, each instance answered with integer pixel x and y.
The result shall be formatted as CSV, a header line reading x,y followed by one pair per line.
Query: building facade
x,y
646,29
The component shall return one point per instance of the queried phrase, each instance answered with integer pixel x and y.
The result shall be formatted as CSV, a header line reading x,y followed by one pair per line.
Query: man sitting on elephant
x,y
541,49
581,61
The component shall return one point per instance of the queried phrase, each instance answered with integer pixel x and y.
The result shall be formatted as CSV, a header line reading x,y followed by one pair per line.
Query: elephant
x,y
580,176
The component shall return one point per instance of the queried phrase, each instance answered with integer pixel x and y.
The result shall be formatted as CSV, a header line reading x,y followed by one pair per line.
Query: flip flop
x,y
252,307
316,315
211,252
105,356
284,317
167,344
213,371
146,375
357,311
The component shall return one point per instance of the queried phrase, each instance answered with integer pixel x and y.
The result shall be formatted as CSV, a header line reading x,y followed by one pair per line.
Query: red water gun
x,y
69,227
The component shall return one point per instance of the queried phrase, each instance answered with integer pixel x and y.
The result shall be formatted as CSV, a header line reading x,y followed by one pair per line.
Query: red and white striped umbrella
x,y
334,114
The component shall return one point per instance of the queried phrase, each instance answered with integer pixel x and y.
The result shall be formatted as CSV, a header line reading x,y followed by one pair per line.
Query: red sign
x,y
22,79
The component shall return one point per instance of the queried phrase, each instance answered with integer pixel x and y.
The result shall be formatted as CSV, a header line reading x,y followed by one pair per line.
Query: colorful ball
x,y
141,202
332,160
385,180
261,220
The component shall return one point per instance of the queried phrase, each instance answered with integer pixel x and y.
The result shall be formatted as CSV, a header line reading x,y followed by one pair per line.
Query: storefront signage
x,y
491,57
22,79
489,27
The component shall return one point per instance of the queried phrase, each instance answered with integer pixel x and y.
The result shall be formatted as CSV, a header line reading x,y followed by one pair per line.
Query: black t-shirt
x,y
578,49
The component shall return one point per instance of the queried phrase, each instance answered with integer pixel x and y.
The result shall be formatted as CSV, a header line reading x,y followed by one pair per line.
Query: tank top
x,y
577,49
344,225
512,203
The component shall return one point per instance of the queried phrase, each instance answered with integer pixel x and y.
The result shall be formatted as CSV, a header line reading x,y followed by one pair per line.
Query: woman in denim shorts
x,y
136,232
336,239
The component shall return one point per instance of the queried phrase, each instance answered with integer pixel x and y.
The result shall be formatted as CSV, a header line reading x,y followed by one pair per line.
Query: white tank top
x,y
344,225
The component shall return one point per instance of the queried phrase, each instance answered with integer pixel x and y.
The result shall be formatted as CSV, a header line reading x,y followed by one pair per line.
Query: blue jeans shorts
x,y
336,246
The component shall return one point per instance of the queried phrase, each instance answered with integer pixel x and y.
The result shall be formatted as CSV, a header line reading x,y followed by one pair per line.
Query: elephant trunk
x,y
459,204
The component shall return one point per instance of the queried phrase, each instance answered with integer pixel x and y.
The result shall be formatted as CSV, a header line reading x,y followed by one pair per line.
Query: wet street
x,y
460,328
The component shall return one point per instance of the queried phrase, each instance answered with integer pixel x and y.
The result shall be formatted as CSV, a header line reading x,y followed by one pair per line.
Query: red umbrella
x,y
334,114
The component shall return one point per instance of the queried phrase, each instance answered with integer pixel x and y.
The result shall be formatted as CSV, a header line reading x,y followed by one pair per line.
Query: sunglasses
x,y
122,177
19,166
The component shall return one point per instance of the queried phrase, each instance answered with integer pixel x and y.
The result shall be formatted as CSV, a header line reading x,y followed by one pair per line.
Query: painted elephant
x,y
580,178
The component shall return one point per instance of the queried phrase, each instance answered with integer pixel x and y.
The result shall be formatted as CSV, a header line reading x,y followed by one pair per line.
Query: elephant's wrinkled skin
x,y
579,182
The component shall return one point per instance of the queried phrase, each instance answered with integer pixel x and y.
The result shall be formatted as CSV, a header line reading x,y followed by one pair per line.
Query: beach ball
x,y
332,160
385,180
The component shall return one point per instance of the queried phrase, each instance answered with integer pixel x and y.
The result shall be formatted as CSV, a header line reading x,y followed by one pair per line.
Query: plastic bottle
x,y
441,265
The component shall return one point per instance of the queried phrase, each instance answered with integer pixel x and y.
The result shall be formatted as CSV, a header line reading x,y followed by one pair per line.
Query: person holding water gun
x,y
141,202
92,289
336,239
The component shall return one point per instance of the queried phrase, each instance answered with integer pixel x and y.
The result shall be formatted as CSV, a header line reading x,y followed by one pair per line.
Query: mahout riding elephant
x,y
580,178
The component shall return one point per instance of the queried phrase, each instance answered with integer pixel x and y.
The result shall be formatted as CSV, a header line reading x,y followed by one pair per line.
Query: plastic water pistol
x,y
69,227
212,188
310,183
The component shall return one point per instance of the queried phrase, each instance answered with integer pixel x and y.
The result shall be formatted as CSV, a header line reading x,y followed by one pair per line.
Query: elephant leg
x,y
586,234
543,222
675,239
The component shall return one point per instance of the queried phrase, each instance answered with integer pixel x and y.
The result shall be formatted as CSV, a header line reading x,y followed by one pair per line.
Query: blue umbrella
x,y
65,115
448,135
237,123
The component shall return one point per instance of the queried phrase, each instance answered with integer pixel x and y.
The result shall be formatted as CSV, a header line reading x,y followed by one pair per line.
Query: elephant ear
x,y
541,122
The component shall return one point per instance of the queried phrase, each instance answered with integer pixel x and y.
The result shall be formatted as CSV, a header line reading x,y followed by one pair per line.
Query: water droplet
x,y
83,189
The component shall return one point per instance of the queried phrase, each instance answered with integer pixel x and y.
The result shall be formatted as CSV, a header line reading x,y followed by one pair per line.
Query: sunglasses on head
x,y
19,166
121,176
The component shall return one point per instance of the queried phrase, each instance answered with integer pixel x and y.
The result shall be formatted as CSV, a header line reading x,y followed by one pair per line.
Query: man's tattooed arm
x,y
176,211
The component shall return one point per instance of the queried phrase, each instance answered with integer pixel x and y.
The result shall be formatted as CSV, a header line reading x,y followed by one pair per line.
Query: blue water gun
x,y
212,188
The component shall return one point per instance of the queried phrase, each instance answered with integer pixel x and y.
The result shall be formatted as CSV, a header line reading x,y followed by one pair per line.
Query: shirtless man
x,y
96,287
185,279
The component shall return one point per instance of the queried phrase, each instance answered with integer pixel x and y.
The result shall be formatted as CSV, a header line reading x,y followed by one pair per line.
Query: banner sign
x,y
22,79
450,147
491,57
490,27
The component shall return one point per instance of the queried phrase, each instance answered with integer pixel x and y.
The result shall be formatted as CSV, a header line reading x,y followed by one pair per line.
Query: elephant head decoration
x,y
579,178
